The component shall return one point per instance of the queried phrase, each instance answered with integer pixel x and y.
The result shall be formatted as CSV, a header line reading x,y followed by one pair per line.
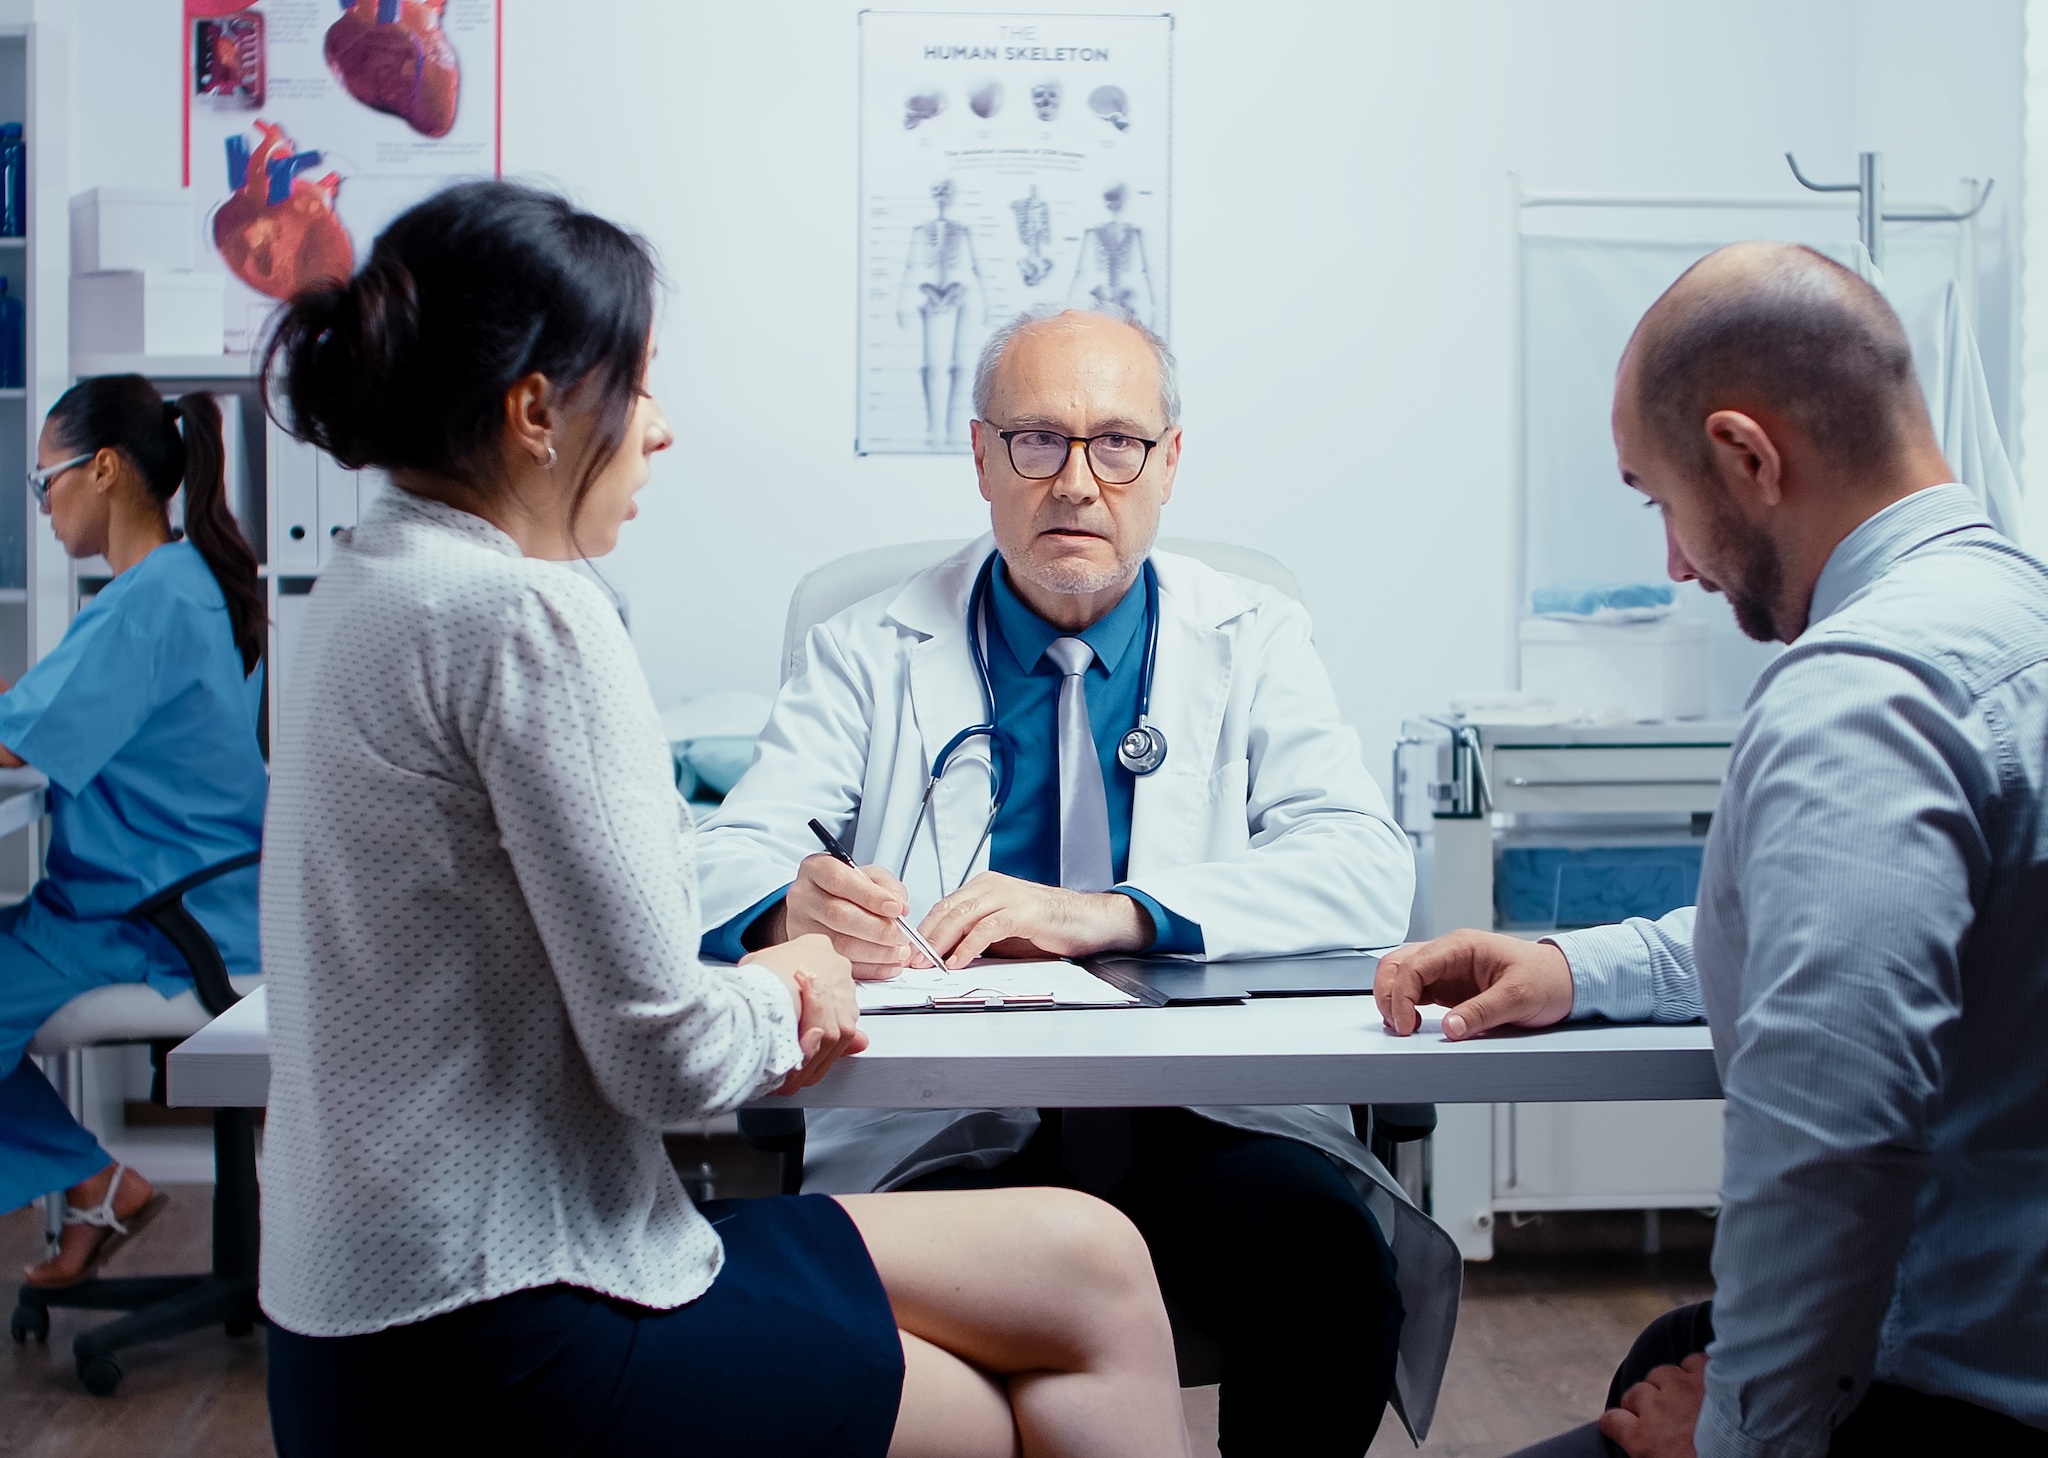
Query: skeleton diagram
x,y
1034,231
1111,276
941,282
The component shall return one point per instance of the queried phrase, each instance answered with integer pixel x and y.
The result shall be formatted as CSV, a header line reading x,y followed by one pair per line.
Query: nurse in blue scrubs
x,y
144,719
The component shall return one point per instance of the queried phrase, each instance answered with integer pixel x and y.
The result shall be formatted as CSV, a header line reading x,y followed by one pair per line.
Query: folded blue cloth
x,y
1586,600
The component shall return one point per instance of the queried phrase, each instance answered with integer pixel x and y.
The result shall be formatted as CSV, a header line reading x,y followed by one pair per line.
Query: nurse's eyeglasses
x,y
39,480
1039,455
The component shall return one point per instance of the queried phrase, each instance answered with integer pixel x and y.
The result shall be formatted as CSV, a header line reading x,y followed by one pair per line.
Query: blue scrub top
x,y
146,726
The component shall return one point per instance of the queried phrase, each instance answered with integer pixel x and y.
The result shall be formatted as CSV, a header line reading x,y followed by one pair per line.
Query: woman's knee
x,y
1090,1246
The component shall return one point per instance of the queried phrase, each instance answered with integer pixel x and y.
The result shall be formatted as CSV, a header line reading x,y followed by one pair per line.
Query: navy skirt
x,y
793,1351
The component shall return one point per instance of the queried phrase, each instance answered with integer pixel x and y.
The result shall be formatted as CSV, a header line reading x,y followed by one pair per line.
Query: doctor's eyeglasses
x,y
1040,455
39,480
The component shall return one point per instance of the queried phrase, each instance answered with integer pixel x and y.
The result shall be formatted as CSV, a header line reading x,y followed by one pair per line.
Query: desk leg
x,y
1461,1176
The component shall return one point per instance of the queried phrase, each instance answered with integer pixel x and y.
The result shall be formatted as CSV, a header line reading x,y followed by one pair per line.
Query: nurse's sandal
x,y
104,1228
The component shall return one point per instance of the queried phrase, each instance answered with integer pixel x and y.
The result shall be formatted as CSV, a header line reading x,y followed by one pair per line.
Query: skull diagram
x,y
922,108
1045,96
1110,103
986,99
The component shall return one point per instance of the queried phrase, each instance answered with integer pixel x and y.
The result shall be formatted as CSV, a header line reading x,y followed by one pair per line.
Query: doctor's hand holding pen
x,y
820,981
858,907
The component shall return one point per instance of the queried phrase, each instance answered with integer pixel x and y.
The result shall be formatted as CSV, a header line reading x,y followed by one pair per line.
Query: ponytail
x,y
210,525
125,413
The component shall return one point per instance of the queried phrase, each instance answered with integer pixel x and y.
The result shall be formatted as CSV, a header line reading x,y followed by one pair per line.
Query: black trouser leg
x,y
1264,1243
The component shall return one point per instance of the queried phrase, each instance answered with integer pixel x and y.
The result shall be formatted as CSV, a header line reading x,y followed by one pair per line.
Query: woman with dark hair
x,y
481,930
144,720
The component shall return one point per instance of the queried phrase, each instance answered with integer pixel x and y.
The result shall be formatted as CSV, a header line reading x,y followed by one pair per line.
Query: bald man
x,y
1870,946
1259,833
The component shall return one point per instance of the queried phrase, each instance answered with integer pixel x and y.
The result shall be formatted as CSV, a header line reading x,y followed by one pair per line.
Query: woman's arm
x,y
563,732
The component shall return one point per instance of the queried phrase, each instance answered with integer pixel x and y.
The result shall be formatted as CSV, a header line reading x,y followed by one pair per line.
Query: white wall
x,y
1340,269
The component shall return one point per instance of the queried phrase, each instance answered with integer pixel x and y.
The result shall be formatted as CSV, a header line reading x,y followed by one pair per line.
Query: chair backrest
x,y
842,583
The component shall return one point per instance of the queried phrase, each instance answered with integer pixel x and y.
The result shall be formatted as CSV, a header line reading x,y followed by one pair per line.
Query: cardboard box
x,y
147,311
1651,671
122,228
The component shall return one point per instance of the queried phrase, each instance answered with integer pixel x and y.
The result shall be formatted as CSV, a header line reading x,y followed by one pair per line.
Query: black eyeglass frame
x,y
39,479
1087,444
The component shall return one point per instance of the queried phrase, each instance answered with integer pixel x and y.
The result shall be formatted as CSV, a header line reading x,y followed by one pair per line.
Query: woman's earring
x,y
551,458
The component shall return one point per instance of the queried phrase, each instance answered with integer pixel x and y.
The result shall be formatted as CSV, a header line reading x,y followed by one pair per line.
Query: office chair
x,y
840,584
162,1306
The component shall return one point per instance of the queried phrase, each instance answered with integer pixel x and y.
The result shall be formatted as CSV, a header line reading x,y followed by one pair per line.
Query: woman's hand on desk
x,y
1485,979
828,1014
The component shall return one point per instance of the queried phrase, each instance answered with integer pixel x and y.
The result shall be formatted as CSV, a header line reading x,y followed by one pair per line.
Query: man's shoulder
x,y
1971,606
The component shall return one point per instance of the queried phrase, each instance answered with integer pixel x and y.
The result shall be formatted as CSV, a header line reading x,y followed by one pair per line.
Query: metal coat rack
x,y
1870,214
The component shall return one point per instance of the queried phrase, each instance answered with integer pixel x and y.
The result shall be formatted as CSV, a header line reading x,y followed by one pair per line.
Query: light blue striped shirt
x,y
1871,951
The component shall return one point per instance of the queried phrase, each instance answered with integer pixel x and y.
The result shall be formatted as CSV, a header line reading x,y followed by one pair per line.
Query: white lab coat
x,y
1262,826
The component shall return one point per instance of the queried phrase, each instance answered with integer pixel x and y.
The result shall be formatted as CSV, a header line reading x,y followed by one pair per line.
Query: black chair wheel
x,y
29,1321
240,1328
100,1374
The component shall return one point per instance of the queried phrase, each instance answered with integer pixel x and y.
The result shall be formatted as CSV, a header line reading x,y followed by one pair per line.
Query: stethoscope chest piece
x,y
1142,750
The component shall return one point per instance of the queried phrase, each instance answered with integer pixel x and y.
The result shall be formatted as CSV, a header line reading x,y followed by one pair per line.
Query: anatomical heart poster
x,y
1006,161
310,124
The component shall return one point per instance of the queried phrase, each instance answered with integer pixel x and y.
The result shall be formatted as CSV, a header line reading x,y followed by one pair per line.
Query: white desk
x,y
1297,1050
21,798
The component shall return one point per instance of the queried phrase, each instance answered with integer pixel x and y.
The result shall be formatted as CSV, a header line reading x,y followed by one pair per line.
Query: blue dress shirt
x,y
1026,840
1871,950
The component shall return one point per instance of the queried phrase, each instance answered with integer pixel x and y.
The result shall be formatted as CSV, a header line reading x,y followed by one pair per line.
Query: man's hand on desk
x,y
1006,917
828,1014
1485,979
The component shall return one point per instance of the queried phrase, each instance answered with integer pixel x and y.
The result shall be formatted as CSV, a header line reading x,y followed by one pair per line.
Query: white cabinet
x,y
1468,793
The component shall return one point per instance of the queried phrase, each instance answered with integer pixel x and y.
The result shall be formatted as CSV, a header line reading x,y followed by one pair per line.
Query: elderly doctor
x,y
1081,655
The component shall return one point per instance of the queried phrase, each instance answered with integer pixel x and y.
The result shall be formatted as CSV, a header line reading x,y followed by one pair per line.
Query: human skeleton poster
x,y
1006,161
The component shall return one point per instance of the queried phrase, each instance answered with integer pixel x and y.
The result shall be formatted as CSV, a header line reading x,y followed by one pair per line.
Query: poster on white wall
x,y
1006,161
310,124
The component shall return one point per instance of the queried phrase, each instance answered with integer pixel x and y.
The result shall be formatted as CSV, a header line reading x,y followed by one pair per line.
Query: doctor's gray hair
x,y
999,342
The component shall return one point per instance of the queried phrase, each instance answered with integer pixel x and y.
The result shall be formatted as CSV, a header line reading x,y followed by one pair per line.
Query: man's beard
x,y
1755,576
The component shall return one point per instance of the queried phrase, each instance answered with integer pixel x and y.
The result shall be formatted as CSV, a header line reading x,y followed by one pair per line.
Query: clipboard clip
x,y
992,1000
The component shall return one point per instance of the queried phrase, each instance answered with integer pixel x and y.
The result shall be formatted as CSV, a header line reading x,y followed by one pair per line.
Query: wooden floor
x,y
1542,1328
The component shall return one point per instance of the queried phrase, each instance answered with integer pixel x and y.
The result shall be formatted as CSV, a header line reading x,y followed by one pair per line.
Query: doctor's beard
x,y
1078,576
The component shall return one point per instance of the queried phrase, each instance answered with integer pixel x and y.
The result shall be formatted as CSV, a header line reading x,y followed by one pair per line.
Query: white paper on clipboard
x,y
1069,985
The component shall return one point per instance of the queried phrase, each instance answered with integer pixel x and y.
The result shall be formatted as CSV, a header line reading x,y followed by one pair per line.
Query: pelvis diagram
x,y
391,55
278,231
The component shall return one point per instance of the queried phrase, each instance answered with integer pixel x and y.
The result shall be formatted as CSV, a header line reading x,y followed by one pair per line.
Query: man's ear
x,y
1745,460
980,434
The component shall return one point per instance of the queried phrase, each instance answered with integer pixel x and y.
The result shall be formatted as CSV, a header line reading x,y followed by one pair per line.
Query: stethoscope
x,y
1141,750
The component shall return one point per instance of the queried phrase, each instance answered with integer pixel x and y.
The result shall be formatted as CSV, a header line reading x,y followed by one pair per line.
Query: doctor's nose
x,y
1076,480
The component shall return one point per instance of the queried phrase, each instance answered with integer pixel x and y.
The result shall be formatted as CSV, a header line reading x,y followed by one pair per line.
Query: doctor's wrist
x,y
1126,924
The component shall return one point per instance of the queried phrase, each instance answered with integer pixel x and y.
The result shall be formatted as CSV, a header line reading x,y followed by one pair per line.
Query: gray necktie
x,y
1084,809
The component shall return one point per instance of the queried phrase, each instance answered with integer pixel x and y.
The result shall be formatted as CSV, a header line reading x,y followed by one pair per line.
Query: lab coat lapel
x,y
1190,687
945,697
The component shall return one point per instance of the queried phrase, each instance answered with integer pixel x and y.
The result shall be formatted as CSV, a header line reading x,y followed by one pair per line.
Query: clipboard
x,y
1177,982
980,989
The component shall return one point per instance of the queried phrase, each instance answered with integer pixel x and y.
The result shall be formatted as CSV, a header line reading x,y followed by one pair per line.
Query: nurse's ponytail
x,y
125,413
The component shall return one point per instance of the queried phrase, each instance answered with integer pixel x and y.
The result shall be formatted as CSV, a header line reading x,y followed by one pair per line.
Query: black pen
x,y
838,853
